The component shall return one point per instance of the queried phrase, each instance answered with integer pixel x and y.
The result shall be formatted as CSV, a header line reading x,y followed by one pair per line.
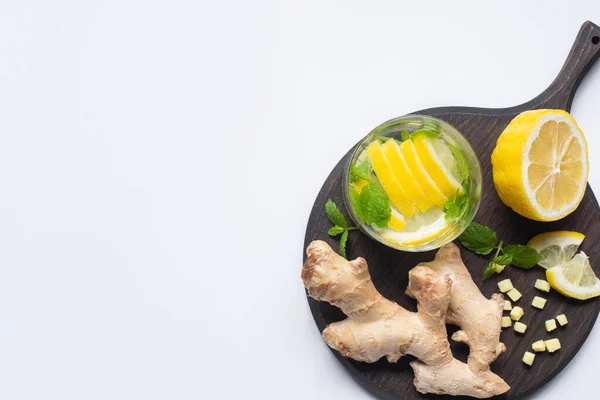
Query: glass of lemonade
x,y
413,183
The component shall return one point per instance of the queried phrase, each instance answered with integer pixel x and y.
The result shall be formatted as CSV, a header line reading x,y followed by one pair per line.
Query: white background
x,y
159,160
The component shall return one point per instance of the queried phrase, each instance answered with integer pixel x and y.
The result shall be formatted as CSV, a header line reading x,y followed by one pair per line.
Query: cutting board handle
x,y
584,53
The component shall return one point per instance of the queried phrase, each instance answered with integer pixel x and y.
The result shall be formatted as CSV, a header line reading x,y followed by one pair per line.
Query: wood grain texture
x,y
389,267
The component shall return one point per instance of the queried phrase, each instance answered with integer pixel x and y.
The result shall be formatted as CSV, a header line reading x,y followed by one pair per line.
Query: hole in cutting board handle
x,y
596,39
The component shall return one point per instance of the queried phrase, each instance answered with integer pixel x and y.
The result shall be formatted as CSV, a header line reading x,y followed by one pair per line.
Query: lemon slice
x,y
434,165
556,248
420,228
447,157
575,278
388,180
397,221
404,176
428,186
540,164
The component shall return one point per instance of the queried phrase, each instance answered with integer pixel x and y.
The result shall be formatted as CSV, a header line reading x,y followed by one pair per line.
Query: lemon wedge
x,y
388,180
575,279
556,248
397,221
568,273
405,177
540,164
435,166
428,186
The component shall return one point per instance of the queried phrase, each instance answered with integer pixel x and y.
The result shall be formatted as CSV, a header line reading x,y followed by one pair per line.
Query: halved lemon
x,y
575,279
540,164
420,228
556,248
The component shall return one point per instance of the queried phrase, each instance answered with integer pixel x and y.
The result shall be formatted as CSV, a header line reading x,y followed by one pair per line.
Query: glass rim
x,y
369,137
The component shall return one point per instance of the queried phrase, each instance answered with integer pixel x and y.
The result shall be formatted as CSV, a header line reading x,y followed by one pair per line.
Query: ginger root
x,y
377,327
478,318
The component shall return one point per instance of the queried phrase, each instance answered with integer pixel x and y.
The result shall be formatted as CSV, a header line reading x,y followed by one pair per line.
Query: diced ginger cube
x,y
542,285
514,294
552,345
506,322
550,325
538,302
520,327
499,268
507,305
505,285
516,313
528,358
538,346
562,319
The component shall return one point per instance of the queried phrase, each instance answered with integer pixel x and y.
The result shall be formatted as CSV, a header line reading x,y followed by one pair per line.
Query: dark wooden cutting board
x,y
389,267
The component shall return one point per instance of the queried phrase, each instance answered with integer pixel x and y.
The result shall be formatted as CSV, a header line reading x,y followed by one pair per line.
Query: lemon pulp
x,y
540,164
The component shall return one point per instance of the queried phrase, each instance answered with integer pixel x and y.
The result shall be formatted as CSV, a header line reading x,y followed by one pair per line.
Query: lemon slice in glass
x,y
405,177
431,155
397,221
389,181
432,192
420,228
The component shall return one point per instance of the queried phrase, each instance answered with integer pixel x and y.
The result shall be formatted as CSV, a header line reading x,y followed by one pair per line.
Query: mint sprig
x,y
456,207
523,257
374,205
504,259
461,162
479,238
355,201
340,225
335,215
343,241
482,240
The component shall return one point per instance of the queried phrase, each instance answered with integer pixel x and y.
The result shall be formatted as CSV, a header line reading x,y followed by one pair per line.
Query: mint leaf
x,y
354,174
489,270
522,256
343,241
461,162
426,132
336,230
504,259
334,214
355,201
456,207
361,172
478,238
339,222
382,139
364,168
375,205
404,135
